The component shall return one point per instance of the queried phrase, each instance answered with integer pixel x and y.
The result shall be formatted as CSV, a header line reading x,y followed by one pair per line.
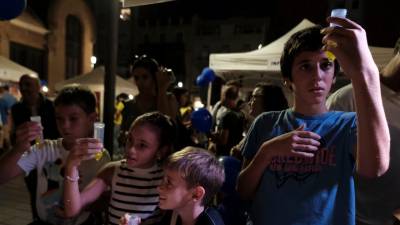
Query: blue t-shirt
x,y
296,190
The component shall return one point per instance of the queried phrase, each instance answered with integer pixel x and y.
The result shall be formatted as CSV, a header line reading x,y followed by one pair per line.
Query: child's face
x,y
174,193
142,146
312,77
73,122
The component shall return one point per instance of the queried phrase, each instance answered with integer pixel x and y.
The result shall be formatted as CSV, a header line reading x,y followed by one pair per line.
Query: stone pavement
x,y
14,203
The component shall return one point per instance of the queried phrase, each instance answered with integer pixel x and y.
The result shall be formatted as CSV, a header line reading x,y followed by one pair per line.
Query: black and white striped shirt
x,y
134,191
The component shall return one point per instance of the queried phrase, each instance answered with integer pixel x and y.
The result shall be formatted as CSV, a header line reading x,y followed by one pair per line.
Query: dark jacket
x,y
209,216
21,113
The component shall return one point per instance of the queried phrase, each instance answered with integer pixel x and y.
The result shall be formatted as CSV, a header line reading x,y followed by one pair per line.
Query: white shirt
x,y
376,199
49,161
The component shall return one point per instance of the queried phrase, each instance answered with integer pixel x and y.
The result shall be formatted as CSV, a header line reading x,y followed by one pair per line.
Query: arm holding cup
x,y
84,149
352,52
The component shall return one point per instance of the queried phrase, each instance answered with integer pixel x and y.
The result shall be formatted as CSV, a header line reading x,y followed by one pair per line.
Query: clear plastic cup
x,y
133,219
39,140
341,13
99,134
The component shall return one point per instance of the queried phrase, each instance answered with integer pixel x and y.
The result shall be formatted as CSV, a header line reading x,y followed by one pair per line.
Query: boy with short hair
x,y
192,177
75,116
299,163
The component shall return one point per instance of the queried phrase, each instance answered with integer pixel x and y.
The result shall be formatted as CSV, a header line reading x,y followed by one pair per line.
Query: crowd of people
x,y
266,162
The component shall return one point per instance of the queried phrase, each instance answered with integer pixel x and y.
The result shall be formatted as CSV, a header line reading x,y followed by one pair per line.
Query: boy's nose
x,y
317,74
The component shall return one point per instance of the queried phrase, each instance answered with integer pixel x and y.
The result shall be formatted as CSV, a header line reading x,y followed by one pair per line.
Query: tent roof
x,y
12,71
133,3
264,59
95,80
264,63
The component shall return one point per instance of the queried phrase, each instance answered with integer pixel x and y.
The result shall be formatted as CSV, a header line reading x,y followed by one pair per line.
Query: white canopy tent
x,y
94,80
133,3
264,64
12,71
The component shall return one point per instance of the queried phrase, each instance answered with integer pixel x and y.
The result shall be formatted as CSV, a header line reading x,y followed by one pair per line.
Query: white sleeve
x,y
36,158
28,161
342,100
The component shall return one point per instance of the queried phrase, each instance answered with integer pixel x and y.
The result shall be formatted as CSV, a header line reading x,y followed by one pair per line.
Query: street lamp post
x,y
112,9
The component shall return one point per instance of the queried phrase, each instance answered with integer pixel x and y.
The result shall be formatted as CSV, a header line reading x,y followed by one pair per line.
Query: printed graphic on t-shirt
x,y
301,168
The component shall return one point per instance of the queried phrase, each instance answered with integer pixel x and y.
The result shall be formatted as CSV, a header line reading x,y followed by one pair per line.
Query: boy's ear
x,y
198,193
287,83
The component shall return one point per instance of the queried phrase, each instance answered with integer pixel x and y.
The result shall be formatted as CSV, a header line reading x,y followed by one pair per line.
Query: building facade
x,y
57,46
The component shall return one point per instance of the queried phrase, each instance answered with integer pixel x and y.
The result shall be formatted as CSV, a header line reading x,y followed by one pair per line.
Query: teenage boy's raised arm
x,y
352,52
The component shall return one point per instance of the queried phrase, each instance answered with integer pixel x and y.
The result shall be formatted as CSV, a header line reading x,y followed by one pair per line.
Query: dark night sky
x,y
381,20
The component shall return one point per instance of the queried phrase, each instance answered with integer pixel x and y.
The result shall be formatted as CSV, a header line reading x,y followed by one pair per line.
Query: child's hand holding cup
x,y
130,219
84,149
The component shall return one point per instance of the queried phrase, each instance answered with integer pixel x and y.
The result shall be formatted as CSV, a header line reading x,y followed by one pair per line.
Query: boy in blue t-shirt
x,y
299,163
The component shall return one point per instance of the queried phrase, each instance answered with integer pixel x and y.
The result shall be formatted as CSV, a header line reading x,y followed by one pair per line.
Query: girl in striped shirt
x,y
133,181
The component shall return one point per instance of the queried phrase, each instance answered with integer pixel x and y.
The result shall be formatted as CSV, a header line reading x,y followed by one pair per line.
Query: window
x,y
73,47
32,58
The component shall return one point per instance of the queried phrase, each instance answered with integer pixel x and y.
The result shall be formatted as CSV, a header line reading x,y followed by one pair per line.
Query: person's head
x,y
191,176
75,109
144,71
306,69
151,137
29,86
267,97
230,93
182,95
306,40
122,97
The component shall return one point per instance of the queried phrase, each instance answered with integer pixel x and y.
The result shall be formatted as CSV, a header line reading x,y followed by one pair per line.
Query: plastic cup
x,y
341,13
39,139
99,134
133,219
